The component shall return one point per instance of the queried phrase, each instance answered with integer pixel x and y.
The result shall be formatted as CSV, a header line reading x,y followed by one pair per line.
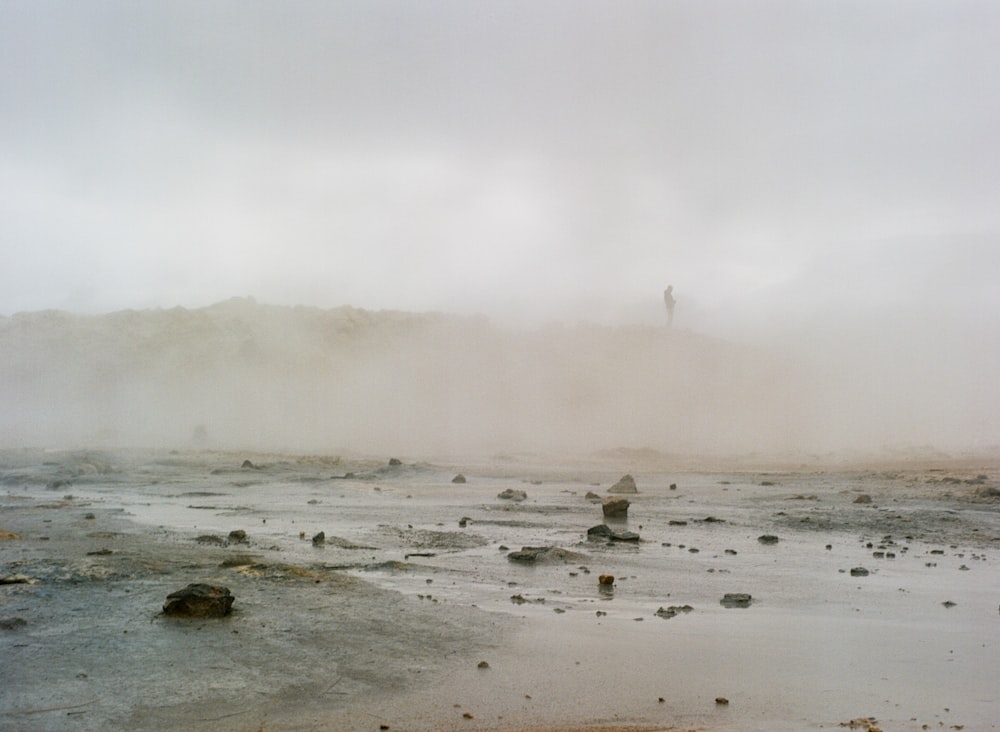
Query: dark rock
x,y
593,497
89,516
199,601
606,579
463,522
736,599
319,538
395,462
238,560
721,701
458,478
512,494
542,554
247,465
625,484
672,611
603,531
210,539
54,485
17,579
768,539
12,623
677,522
624,536
615,507
673,486
238,536
863,498
859,572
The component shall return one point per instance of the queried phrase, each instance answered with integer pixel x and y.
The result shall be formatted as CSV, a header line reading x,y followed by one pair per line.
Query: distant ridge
x,y
241,373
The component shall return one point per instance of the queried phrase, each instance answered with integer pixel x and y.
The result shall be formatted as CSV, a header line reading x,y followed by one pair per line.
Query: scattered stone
x,y
629,536
863,498
868,724
672,611
12,623
615,507
238,536
603,531
606,579
625,484
199,601
540,554
521,600
768,539
211,539
238,560
736,599
17,579
859,572
458,479
512,494
319,539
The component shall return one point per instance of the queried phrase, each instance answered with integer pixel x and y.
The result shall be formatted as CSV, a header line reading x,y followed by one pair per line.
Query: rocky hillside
x,y
242,374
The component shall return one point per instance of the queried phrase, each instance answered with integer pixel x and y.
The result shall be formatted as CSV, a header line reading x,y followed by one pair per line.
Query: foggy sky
x,y
524,160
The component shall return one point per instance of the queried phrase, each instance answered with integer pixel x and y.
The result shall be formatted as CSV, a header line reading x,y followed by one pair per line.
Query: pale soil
x,y
347,638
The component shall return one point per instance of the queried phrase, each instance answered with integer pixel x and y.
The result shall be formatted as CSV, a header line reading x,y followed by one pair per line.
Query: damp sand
x,y
410,616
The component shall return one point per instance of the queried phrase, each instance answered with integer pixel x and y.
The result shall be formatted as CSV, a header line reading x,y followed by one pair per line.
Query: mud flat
x,y
409,613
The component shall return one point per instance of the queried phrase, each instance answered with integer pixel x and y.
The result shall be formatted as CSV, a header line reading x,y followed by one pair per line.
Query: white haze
x,y
817,180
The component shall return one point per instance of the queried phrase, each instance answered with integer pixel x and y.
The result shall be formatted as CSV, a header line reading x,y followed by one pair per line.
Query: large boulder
x,y
625,484
199,601
615,507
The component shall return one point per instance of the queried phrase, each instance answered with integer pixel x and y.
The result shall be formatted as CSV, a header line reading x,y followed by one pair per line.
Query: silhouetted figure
x,y
669,301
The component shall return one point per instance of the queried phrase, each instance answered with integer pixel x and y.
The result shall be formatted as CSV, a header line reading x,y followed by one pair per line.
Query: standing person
x,y
669,301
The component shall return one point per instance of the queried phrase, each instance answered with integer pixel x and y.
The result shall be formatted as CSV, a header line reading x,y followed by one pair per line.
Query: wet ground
x,y
386,621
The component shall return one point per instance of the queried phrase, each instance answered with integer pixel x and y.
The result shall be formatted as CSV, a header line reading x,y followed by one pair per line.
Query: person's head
x,y
670,288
